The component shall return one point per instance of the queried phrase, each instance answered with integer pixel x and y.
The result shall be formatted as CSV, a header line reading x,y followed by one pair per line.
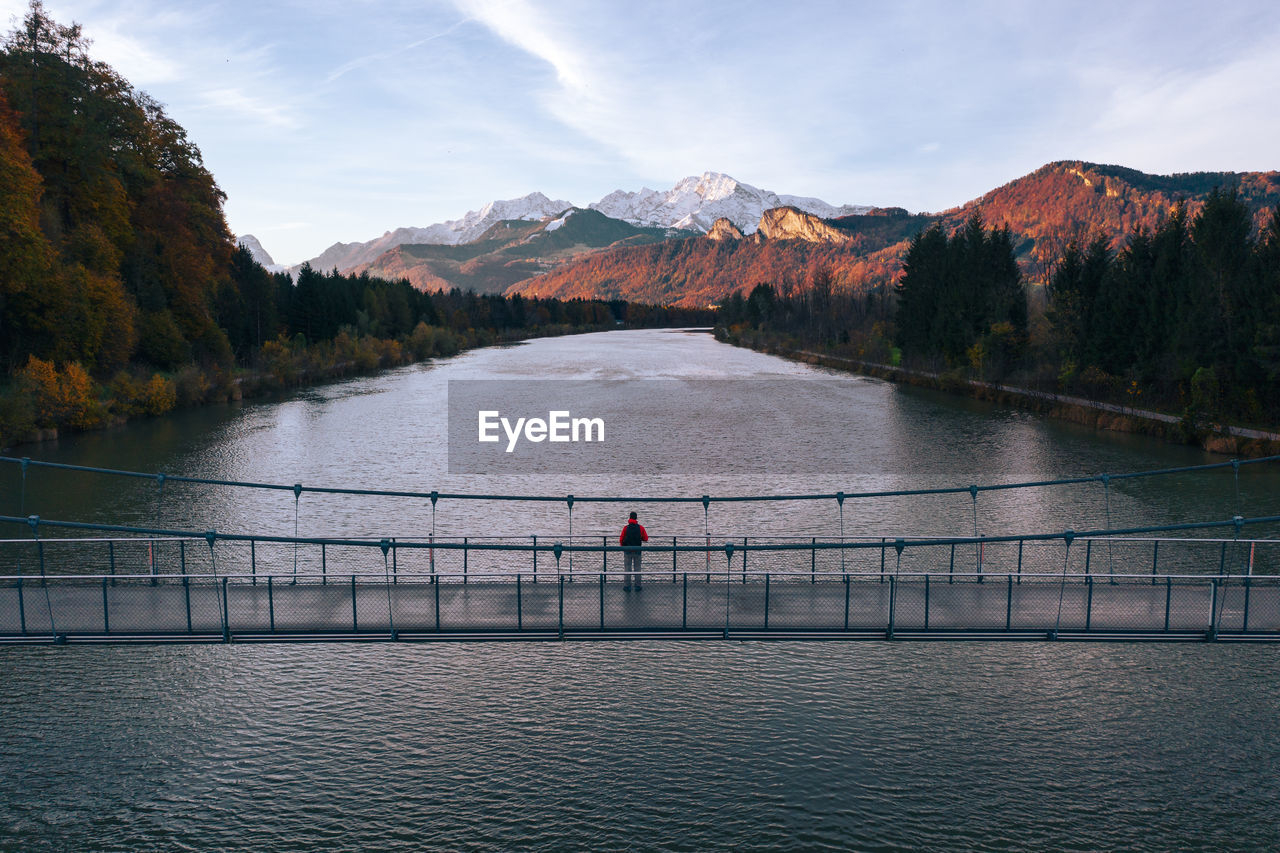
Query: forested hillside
x,y
1183,317
122,291
119,239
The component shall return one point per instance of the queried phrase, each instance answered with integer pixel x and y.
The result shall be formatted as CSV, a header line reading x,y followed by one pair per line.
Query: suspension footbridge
x,y
78,582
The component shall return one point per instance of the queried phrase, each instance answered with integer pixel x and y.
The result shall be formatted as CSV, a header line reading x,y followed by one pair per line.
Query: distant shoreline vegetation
x,y
123,293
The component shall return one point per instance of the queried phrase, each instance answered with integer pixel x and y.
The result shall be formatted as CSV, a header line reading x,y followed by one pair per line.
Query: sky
x,y
337,120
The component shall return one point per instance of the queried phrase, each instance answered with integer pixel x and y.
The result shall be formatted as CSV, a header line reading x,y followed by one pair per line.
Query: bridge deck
x,y
173,606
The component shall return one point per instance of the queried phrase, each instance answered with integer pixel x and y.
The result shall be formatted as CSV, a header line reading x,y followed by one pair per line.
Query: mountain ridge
x,y
694,203
1060,202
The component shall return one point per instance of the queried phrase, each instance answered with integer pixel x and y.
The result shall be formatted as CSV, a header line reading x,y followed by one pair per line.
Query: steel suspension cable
x,y
1062,588
34,521
651,499
385,545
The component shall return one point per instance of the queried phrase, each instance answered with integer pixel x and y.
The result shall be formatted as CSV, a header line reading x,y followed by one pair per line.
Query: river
x,y
650,745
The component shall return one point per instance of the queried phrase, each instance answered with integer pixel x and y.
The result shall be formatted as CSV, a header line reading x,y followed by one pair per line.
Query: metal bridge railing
x,y
227,607
153,583
25,464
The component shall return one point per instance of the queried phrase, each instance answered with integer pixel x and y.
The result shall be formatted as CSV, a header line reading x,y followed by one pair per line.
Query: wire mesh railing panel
x,y
538,603
249,605
304,606
139,606
802,603
76,608
959,603
580,603
12,605
749,601
1123,604
1188,604
413,604
704,603
1261,605
1033,604
868,604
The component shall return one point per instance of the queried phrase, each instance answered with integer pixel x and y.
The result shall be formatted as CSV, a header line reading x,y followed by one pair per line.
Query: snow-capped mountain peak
x,y
259,254
694,203
698,201
470,227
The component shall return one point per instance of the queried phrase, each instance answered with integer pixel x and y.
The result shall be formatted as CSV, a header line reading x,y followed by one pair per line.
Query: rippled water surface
x,y
682,746
634,745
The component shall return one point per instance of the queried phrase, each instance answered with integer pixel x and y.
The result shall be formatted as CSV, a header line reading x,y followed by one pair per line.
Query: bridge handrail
x,y
755,543
433,496
734,575
1068,536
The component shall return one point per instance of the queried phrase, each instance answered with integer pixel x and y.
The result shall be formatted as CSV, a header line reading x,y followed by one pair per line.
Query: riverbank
x,y
1218,438
52,402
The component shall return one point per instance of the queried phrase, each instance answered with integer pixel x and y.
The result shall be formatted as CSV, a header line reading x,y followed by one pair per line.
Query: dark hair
x,y
633,515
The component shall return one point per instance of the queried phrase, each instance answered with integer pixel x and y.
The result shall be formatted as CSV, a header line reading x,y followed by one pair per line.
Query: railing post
x,y
106,620
186,593
813,560
253,560
766,594
355,624
436,583
744,559
561,622
182,556
602,601
604,554
111,556
1168,597
226,615
1222,559
1088,610
1244,625
40,550
684,604
1155,560
847,581
1088,554
1020,561
893,603
1008,606
535,559
926,602
22,608
1213,609
271,604
395,569
951,568
673,559
882,541
464,559
519,605
324,564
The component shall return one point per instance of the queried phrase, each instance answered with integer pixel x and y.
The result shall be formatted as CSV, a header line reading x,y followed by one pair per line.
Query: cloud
x,y
381,56
238,103
1184,120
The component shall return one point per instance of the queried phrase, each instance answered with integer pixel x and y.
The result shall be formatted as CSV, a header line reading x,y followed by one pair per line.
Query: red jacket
x,y
644,537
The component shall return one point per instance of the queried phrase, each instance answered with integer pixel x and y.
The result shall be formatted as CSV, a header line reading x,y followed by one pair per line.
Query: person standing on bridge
x,y
632,536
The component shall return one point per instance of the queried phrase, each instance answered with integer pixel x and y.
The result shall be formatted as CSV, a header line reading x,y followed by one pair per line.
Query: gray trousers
x,y
631,567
